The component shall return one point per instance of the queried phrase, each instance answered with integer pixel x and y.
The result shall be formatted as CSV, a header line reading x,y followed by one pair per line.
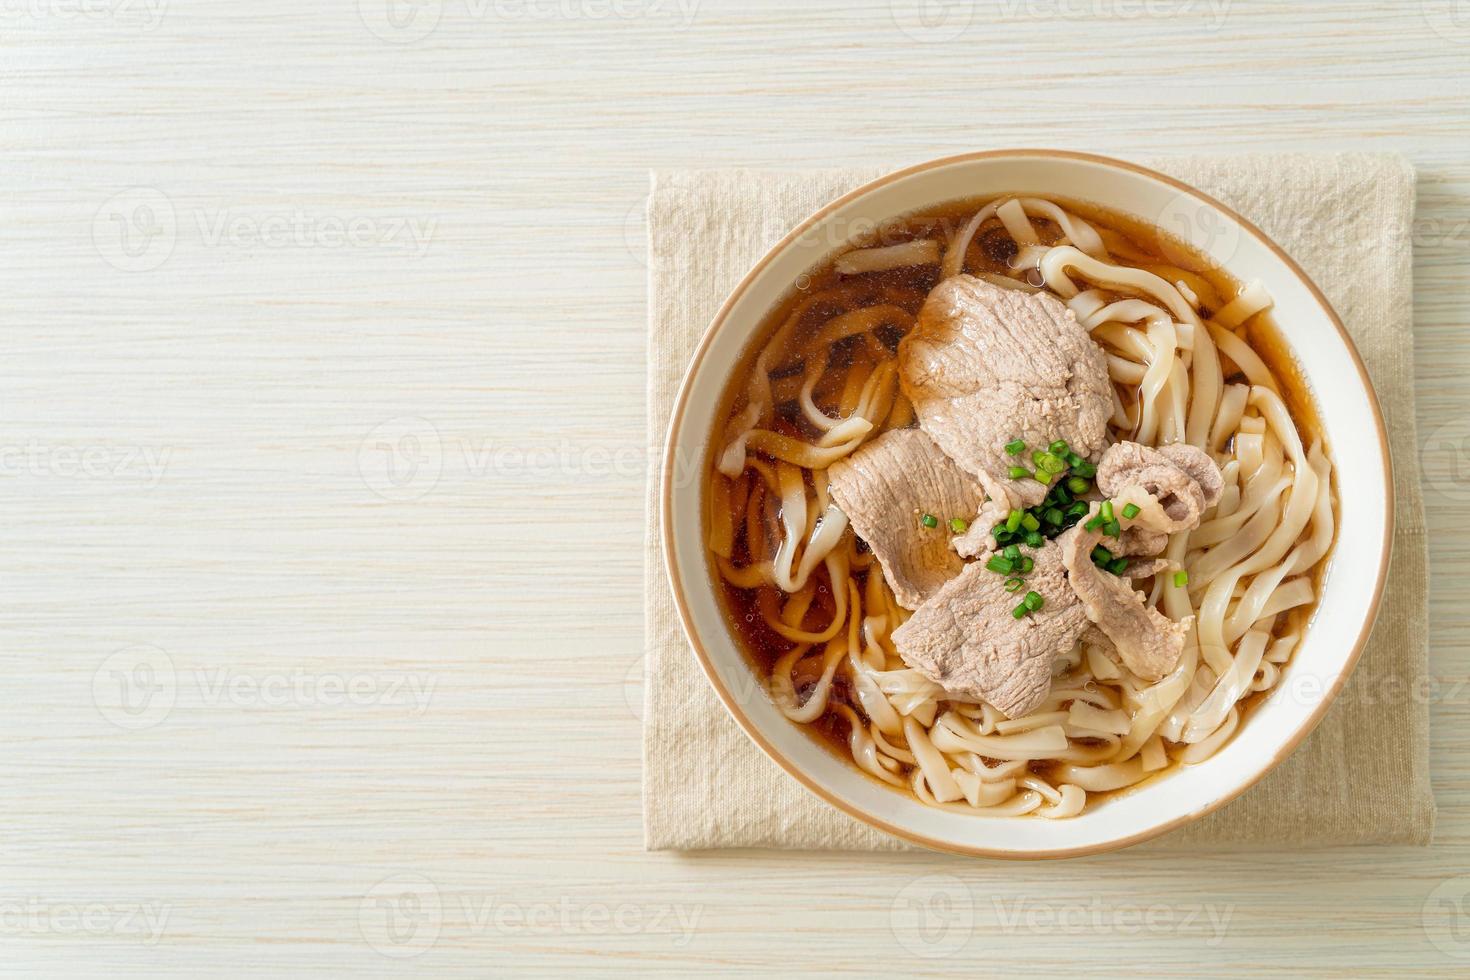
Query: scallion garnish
x,y
1030,523
1050,463
1084,469
1000,564
1015,447
1181,579
1095,522
929,520
1130,511
1106,510
1052,515
1013,584
1013,552
1020,473
1020,611
1059,447
1112,529
958,525
1101,555
1035,539
1033,601
1027,563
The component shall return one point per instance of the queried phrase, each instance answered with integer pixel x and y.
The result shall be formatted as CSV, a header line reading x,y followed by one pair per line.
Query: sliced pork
x,y
886,488
1148,642
1178,483
987,365
1138,540
979,538
967,639
1172,487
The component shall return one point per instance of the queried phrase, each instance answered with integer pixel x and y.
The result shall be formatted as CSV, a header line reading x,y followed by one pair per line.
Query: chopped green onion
x,y
1000,564
1050,463
1095,523
1033,601
1084,469
1118,566
1130,511
1026,565
1073,460
1106,510
1020,473
958,525
1112,529
1078,485
1013,552
1052,515
1029,522
1078,509
1013,519
1060,495
929,520
1020,611
1015,447
1013,584
1101,555
1035,539
1002,536
1059,447
1181,579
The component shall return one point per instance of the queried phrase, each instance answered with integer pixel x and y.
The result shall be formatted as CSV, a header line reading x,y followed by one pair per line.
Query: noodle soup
x,y
1192,358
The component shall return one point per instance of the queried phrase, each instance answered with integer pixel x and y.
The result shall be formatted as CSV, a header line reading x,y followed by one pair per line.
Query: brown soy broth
x,y
907,288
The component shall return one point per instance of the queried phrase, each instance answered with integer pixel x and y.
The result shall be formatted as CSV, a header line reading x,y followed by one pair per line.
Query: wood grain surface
x,y
322,445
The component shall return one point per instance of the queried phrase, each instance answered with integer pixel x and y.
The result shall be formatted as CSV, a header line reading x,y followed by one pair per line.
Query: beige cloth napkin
x,y
1362,777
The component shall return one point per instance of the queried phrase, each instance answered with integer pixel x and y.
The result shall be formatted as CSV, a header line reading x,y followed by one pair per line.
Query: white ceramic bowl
x,y
1349,412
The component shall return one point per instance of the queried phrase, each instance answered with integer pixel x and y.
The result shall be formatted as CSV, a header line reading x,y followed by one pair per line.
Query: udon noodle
x,y
1189,353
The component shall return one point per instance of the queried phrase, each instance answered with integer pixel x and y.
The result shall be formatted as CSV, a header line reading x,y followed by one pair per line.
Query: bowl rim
x,y
671,561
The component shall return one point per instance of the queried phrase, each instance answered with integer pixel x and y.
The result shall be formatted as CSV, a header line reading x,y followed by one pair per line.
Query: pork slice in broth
x,y
1147,641
986,365
1181,482
967,639
886,488
1171,487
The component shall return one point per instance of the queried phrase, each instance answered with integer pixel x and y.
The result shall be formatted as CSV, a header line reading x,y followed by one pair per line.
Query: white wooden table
x,y
322,439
